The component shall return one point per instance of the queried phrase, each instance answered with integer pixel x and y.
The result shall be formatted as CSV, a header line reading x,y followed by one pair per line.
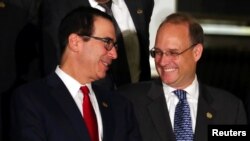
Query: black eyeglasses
x,y
155,52
109,43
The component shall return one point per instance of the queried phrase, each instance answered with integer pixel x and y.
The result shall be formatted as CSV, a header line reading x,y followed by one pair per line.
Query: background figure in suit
x,y
178,47
133,19
19,51
50,109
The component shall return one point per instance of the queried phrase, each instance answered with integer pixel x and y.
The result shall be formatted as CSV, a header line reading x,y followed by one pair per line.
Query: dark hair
x,y
79,21
195,30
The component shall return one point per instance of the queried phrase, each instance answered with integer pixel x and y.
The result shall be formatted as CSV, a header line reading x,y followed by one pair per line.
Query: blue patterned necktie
x,y
182,119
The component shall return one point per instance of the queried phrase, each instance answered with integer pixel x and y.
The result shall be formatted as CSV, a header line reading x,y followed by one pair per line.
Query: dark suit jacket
x,y
153,117
45,111
140,10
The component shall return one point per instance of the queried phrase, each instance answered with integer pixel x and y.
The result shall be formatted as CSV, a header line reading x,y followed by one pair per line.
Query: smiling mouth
x,y
106,63
169,69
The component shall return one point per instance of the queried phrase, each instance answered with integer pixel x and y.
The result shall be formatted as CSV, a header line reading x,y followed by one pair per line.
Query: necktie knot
x,y
85,90
181,94
107,6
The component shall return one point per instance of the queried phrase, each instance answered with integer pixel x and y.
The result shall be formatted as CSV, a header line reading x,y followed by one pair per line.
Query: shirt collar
x,y
116,1
93,3
192,90
72,85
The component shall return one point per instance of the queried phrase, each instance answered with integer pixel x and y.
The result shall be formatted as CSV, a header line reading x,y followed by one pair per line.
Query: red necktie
x,y
89,115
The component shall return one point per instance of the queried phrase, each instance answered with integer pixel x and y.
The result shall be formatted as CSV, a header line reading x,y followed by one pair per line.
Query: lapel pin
x,y
104,104
139,11
209,115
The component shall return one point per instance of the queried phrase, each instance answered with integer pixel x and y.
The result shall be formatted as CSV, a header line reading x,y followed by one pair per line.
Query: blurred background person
x,y
19,51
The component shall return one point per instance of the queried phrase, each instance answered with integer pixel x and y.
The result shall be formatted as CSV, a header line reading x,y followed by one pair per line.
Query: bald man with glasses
x,y
157,103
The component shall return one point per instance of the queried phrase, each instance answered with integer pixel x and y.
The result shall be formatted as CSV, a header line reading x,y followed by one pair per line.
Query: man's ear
x,y
198,49
73,42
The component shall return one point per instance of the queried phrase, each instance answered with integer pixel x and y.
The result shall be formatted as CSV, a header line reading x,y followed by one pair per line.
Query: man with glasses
x,y
132,19
177,106
66,105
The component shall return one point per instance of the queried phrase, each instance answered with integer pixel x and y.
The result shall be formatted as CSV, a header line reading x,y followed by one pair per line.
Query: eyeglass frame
x,y
169,53
109,43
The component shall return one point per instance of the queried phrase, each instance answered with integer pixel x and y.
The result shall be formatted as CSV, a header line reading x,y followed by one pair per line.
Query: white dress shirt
x,y
192,98
74,89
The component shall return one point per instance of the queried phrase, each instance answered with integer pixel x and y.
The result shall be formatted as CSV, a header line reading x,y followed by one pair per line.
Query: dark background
x,y
226,59
224,64
216,9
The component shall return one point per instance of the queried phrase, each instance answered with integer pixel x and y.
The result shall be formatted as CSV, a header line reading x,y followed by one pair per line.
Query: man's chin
x,y
101,76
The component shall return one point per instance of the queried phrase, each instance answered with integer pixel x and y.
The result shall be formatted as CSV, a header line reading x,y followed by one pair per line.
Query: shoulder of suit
x,y
217,93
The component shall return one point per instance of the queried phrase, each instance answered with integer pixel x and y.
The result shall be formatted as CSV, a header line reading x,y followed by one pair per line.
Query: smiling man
x,y
66,106
176,106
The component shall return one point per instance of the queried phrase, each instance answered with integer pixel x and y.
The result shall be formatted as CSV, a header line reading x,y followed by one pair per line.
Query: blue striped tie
x,y
182,119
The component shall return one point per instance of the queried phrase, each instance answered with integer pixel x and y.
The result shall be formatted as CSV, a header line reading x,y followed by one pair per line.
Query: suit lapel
x,y
67,103
106,113
205,115
159,112
160,116
136,11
